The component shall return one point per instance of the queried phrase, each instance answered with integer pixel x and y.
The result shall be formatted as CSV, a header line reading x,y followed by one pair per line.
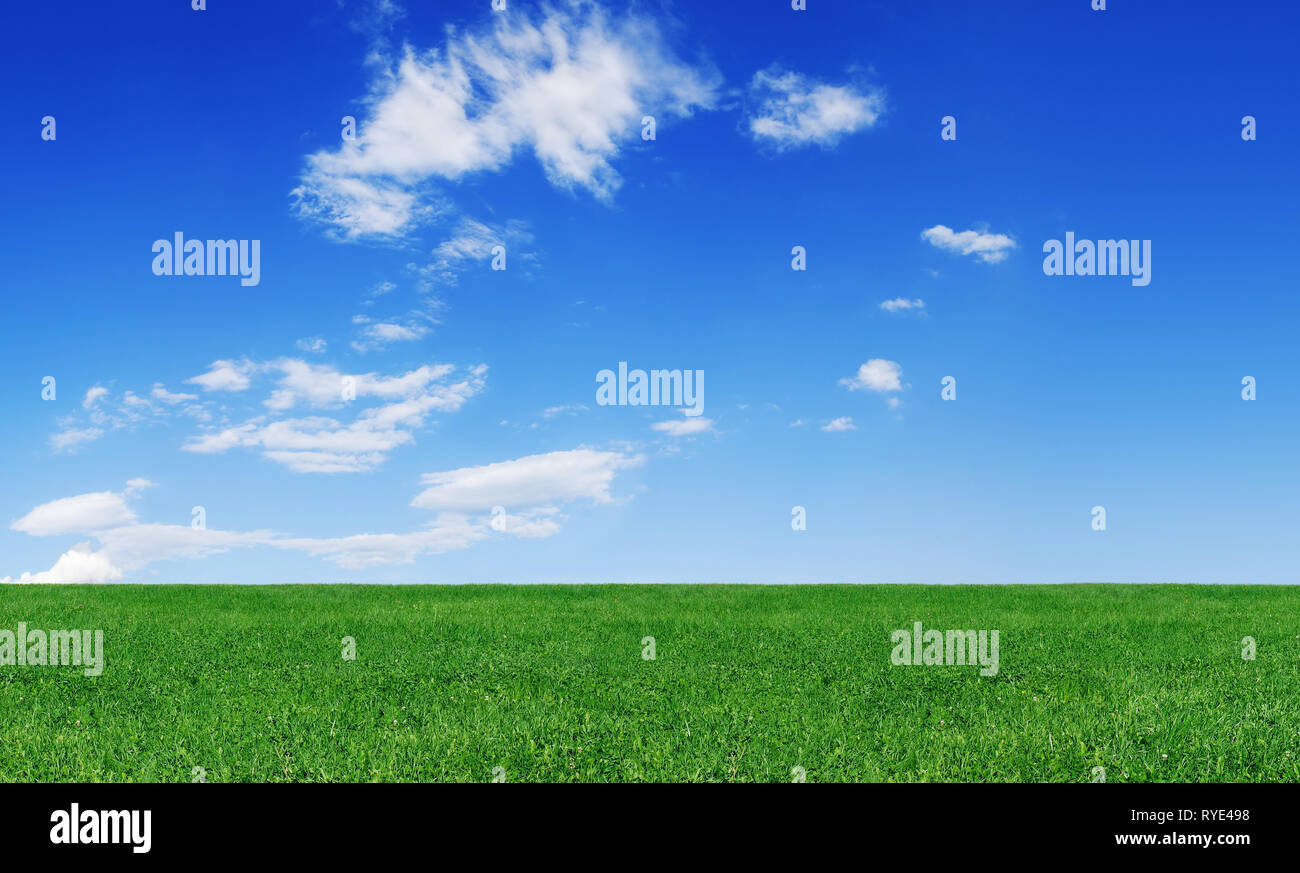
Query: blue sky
x,y
475,388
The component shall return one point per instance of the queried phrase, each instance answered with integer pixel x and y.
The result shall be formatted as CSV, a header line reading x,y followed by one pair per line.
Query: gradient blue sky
x,y
674,253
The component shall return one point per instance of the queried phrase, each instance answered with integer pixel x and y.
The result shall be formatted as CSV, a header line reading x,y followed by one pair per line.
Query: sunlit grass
x,y
549,684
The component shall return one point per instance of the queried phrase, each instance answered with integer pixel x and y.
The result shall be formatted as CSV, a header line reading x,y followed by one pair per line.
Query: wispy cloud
x,y
569,84
324,444
565,409
382,334
312,345
472,242
126,544
536,480
93,396
684,427
161,394
104,412
521,498
71,438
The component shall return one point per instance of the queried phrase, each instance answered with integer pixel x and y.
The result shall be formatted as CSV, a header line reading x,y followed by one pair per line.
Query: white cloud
x,y
132,547
564,409
102,413
448,532
570,86
72,438
988,247
79,514
161,393
532,524
77,566
225,376
358,445
136,545
536,480
684,427
794,110
93,395
312,345
322,444
320,385
473,241
125,544
876,374
379,335
530,486
902,304
840,424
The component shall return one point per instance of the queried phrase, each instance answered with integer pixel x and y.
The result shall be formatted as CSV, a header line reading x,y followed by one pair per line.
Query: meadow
x,y
553,683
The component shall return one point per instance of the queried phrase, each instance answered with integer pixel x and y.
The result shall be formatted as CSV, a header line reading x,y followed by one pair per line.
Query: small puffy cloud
x,y
225,376
988,247
792,110
536,480
876,374
840,424
684,427
902,304
80,514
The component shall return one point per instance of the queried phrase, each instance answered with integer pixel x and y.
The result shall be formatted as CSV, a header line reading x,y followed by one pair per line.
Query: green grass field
x,y
748,682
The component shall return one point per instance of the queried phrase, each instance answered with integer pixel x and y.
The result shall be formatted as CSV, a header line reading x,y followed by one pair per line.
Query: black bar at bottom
x,y
334,823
